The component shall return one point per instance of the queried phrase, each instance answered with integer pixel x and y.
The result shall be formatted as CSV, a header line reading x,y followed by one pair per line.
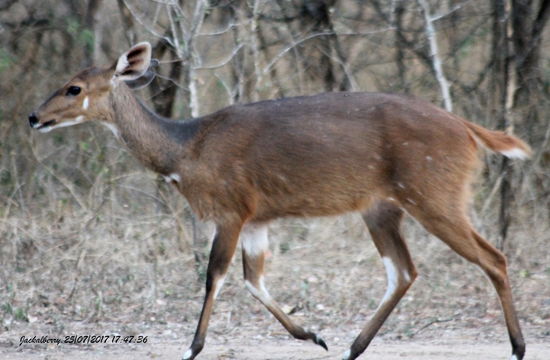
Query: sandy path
x,y
244,349
259,341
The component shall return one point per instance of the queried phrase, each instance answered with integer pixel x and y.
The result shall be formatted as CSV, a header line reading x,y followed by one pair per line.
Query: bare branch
x,y
224,31
313,36
177,42
434,54
450,11
147,27
223,63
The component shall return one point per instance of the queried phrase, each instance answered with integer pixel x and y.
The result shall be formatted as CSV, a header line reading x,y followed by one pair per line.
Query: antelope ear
x,y
133,63
145,79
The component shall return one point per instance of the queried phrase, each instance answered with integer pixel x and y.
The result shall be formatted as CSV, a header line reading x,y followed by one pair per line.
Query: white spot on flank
x,y
86,103
76,121
188,354
254,239
401,185
112,127
429,158
411,201
515,153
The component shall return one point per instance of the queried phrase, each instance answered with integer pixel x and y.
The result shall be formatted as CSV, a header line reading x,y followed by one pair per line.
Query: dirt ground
x,y
451,312
169,341
239,349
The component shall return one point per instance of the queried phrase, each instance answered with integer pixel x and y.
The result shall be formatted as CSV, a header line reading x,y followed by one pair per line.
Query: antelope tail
x,y
500,142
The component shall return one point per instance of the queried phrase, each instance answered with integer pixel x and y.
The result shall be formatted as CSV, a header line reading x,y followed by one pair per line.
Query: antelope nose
x,y
33,120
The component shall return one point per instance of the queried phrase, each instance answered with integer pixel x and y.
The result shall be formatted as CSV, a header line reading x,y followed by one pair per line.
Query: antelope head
x,y
86,96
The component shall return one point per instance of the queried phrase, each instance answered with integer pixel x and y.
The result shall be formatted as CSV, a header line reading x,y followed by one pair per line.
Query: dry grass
x,y
130,265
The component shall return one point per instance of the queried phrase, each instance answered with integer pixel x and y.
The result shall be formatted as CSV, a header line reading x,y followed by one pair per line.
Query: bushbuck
x,y
243,166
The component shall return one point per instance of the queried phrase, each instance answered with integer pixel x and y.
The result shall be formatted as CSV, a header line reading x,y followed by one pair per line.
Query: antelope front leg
x,y
255,244
223,249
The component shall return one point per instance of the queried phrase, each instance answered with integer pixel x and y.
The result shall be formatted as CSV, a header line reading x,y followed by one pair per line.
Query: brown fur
x,y
327,154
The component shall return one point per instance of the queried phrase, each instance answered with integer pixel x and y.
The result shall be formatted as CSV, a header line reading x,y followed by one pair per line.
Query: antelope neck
x,y
159,143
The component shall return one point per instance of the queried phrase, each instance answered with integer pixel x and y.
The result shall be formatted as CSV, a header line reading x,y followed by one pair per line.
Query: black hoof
x,y
319,341
518,350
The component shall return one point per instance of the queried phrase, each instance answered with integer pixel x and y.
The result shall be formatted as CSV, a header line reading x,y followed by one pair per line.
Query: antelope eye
x,y
73,91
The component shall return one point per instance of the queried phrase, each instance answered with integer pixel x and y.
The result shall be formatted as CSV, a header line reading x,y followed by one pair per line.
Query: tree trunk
x,y
500,86
528,24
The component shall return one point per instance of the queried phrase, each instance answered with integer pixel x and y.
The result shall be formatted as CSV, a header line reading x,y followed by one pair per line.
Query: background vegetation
x,y
86,234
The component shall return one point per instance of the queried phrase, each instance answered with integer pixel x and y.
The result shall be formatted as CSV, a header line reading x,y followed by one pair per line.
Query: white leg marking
x,y
392,274
218,286
406,276
254,239
260,293
75,121
514,357
392,277
187,354
86,103
346,355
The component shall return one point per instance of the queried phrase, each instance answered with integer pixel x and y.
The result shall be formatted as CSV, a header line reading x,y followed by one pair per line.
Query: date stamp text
x,y
84,339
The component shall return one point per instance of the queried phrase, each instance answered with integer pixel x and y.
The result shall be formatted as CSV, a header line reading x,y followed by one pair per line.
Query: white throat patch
x,y
111,127
77,120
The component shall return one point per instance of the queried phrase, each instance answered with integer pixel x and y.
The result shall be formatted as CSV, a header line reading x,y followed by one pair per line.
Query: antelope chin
x,y
52,124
